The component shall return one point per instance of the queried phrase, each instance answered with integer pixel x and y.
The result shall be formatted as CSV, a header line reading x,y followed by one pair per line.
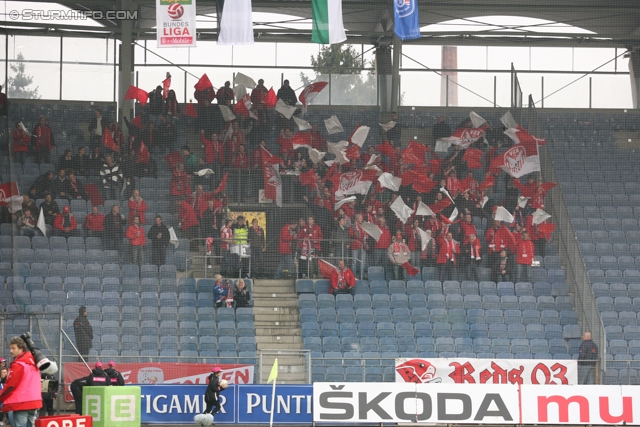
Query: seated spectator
x,y
137,240
50,209
82,163
60,186
42,186
21,141
76,188
137,207
94,223
65,224
342,280
66,161
241,295
222,292
27,223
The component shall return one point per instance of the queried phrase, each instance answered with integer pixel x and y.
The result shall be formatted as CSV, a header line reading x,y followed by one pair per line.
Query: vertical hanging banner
x,y
406,22
176,23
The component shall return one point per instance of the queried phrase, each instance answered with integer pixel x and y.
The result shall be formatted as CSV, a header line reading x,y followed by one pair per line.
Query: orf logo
x,y
418,371
514,159
405,8
349,179
175,11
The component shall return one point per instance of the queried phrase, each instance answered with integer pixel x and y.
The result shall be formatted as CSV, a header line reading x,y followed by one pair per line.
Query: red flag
x,y
243,106
143,153
166,84
308,178
222,185
436,165
173,159
441,205
546,230
108,142
330,172
465,184
311,91
204,83
519,160
137,122
8,190
488,182
464,137
419,181
448,221
386,149
411,270
94,194
414,154
473,156
300,139
326,268
353,152
548,186
190,110
270,100
136,93
507,237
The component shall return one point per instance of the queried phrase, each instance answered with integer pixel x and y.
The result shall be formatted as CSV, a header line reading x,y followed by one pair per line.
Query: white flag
x,y
329,163
302,124
503,215
375,168
454,215
508,121
333,125
236,24
484,201
476,120
315,155
285,109
539,216
424,238
239,92
389,181
442,146
41,225
14,203
337,147
24,129
388,126
522,201
372,160
227,114
372,230
360,135
204,172
402,211
424,210
343,201
244,80
173,239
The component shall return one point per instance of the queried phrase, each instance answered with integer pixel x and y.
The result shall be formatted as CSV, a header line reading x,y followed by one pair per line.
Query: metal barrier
x,y
575,270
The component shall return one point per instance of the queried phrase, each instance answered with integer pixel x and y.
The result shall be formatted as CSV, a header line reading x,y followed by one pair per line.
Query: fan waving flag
x,y
473,157
310,92
359,135
138,94
108,142
327,25
406,21
464,137
519,160
236,24
402,211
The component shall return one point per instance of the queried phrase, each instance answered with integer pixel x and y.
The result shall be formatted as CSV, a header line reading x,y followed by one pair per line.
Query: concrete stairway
x,y
278,332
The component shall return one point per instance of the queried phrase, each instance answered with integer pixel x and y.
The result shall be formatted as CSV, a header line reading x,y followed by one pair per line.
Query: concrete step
x,y
273,331
279,324
281,339
275,302
272,310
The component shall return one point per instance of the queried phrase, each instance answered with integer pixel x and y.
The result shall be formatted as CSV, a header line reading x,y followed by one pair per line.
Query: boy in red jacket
x,y
137,239
21,397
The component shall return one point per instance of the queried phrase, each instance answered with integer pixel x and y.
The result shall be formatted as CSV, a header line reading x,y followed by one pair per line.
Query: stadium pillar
x,y
125,108
383,74
634,73
395,76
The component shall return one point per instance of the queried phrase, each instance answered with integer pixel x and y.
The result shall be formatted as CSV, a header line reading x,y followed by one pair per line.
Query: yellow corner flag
x,y
274,371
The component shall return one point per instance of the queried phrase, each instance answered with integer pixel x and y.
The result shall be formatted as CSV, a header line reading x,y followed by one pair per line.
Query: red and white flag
x,y
519,160
326,268
272,182
464,137
310,92
7,191
519,135
354,182
166,84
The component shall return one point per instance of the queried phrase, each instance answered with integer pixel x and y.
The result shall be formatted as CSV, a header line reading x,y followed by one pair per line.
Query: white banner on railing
x,y
403,403
486,371
176,23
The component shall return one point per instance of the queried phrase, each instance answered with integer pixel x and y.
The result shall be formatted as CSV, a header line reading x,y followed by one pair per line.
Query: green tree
x,y
18,84
350,84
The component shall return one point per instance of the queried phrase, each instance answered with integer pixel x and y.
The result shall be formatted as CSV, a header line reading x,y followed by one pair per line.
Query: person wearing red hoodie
x,y
21,397
188,223
287,235
43,141
20,143
525,252
137,207
213,153
382,245
65,225
137,240
180,186
342,280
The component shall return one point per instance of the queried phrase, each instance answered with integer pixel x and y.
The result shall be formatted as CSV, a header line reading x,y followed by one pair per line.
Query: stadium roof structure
x,y
603,23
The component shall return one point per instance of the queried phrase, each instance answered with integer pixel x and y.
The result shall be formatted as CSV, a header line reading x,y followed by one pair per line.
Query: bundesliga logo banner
x,y
176,23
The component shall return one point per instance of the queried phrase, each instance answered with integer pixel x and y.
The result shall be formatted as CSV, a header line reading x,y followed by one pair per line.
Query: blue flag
x,y
406,23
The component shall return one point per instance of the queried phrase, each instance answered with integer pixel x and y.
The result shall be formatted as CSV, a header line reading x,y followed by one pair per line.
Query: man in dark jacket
x,y
50,209
115,377
84,333
287,94
60,185
114,224
96,128
41,186
258,247
159,236
587,359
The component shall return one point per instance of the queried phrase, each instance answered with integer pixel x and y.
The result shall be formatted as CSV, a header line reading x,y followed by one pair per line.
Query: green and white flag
x,y
327,22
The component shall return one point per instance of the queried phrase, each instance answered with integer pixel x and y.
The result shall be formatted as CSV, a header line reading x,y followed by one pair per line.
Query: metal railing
x,y
575,270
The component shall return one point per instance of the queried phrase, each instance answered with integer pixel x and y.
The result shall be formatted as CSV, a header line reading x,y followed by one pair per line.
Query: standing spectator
x,y
96,128
76,188
258,247
359,245
503,268
112,176
156,105
20,143
159,236
398,253
587,359
180,186
209,227
448,256
42,186
441,129
258,94
66,161
198,201
429,256
188,223
240,165
82,162
83,332
393,134
43,141
94,223
287,94
310,243
20,396
414,242
137,207
50,210
225,94
287,237
213,153
167,134
382,245
525,252
190,160
340,238
60,186
229,261
342,280
114,223
137,240
65,224
241,295
172,107
471,254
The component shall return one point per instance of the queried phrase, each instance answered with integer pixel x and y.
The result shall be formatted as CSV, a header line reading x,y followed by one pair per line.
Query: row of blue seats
x,y
609,224
114,270
623,318
617,249
613,276
175,356
601,200
74,256
611,262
